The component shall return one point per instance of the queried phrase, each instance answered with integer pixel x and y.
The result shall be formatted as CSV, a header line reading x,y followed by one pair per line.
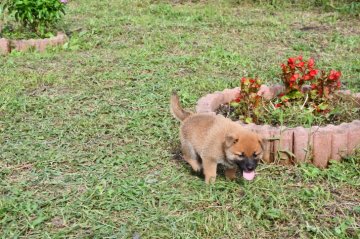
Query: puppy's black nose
x,y
251,165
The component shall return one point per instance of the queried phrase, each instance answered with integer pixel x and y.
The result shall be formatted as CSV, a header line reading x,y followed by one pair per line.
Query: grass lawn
x,y
88,144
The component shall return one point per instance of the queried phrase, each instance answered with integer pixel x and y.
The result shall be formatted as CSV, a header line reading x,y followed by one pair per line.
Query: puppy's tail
x,y
176,109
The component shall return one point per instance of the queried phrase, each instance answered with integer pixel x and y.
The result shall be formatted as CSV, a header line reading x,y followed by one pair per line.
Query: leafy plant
x,y
309,96
39,15
248,101
298,72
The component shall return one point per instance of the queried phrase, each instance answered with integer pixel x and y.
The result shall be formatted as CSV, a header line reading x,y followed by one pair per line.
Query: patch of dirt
x,y
346,28
58,222
20,173
47,90
314,28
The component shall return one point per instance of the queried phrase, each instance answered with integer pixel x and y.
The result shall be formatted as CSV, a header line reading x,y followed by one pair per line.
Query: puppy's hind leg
x,y
190,156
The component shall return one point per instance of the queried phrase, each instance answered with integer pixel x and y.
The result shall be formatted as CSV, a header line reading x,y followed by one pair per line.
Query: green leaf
x,y
234,104
285,97
323,106
295,94
248,120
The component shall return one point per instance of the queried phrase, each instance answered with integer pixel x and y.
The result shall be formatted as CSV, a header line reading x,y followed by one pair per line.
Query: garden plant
x,y
34,18
310,96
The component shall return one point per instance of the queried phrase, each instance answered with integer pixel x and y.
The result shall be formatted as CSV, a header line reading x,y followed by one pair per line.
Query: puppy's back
x,y
197,125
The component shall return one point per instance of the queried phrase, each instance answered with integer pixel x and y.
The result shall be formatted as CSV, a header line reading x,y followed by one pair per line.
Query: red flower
x,y
313,73
291,62
252,81
313,86
301,64
277,105
306,77
281,94
334,75
300,58
238,99
294,77
338,84
243,80
283,66
311,63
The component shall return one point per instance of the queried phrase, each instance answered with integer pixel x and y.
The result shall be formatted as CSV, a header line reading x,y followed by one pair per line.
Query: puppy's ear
x,y
230,140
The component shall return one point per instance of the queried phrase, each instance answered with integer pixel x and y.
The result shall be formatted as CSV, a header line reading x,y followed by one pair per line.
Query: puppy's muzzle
x,y
247,164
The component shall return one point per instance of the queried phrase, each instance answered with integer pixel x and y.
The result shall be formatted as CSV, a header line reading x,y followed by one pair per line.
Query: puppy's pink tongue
x,y
249,175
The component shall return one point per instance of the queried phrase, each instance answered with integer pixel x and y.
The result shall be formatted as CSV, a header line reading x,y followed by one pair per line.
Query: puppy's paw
x,y
196,167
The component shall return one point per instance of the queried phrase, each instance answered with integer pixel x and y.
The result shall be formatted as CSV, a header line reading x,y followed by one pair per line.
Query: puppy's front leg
x,y
209,167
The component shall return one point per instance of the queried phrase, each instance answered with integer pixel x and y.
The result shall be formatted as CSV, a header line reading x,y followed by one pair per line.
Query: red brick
x,y
20,45
302,146
203,104
39,44
321,147
265,134
4,46
217,100
345,128
274,143
61,38
339,142
230,94
42,44
353,136
286,146
250,126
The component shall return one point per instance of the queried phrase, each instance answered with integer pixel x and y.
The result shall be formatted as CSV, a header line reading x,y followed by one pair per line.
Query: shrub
x,y
38,15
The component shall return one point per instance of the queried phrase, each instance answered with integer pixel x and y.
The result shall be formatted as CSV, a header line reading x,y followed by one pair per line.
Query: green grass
x,y
87,140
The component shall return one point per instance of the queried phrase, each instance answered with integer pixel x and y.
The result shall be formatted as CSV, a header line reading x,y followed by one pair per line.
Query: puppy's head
x,y
244,149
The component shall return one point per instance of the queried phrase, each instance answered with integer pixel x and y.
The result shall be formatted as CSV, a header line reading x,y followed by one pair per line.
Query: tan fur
x,y
215,139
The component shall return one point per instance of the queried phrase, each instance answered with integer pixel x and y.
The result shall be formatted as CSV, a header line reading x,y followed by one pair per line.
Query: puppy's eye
x,y
241,154
255,154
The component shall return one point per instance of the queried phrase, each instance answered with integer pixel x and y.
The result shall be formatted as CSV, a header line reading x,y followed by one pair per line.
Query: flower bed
x,y
6,45
288,145
308,96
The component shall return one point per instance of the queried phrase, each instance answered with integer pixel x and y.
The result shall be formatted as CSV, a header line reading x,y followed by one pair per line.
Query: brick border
x,y
286,145
6,45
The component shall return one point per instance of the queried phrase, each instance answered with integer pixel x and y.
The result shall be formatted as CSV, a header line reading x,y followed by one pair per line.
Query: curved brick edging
x,y
294,145
6,45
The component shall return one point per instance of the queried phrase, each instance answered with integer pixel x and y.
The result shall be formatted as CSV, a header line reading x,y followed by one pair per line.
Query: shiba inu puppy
x,y
208,140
